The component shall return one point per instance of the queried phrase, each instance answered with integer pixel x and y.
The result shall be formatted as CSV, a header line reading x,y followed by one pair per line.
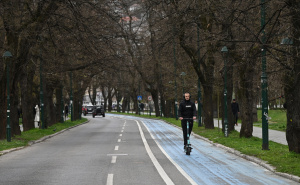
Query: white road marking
x,y
119,140
121,135
172,161
122,130
116,147
110,179
113,159
159,168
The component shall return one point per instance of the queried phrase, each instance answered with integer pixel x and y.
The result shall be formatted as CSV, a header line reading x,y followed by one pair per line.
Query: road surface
x,y
128,150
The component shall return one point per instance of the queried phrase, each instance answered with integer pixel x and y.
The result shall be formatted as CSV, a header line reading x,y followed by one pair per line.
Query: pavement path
x,y
274,135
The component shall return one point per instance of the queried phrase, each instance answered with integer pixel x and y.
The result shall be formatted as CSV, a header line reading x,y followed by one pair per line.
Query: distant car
x,y
99,111
84,110
90,109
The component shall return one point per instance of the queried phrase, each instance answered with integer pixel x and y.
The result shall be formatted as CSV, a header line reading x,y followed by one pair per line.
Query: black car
x,y
89,109
98,111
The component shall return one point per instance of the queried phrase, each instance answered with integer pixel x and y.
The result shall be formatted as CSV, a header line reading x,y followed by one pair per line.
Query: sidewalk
x,y
274,135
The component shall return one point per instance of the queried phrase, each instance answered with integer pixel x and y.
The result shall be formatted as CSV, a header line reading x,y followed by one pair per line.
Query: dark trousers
x,y
184,128
235,117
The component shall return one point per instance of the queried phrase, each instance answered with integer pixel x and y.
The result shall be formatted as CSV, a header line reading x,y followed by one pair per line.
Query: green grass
x,y
36,133
277,121
278,155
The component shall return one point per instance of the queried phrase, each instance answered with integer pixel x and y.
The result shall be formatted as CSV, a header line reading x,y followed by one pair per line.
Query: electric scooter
x,y
188,148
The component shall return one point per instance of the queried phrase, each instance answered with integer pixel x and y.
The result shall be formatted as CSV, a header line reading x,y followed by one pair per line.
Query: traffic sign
x,y
139,97
149,98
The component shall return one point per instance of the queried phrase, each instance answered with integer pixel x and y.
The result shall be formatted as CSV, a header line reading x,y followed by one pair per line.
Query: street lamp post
x,y
182,74
62,106
71,97
41,91
175,71
138,103
118,102
225,51
264,82
6,55
199,83
80,109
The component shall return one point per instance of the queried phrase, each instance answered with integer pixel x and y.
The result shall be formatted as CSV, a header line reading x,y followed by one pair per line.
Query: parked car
x,y
99,111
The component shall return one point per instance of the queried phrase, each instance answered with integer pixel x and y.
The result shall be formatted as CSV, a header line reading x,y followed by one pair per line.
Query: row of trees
x,y
128,47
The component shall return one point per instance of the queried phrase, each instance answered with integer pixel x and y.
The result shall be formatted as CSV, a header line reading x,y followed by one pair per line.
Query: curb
x,y
39,141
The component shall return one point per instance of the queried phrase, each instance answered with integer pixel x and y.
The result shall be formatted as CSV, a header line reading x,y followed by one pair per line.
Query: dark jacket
x,y
235,108
66,109
187,109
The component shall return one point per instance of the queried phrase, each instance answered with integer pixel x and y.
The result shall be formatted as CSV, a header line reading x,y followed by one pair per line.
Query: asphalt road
x,y
127,150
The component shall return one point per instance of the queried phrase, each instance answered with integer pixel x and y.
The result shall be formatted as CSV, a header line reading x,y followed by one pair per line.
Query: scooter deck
x,y
188,149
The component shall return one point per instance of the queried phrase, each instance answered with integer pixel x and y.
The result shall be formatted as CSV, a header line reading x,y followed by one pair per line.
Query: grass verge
x,y
35,134
277,121
278,155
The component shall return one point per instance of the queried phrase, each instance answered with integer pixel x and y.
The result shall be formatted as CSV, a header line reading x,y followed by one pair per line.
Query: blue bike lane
x,y
207,163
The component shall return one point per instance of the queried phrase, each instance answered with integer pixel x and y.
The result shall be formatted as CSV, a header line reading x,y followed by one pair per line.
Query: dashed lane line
x,y
110,179
113,159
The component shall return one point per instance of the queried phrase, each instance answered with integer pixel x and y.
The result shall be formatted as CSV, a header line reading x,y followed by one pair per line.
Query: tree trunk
x,y
49,110
28,103
208,106
104,97
229,96
154,94
109,97
293,115
168,110
58,105
247,74
14,118
291,90
124,104
163,105
135,104
254,110
292,84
